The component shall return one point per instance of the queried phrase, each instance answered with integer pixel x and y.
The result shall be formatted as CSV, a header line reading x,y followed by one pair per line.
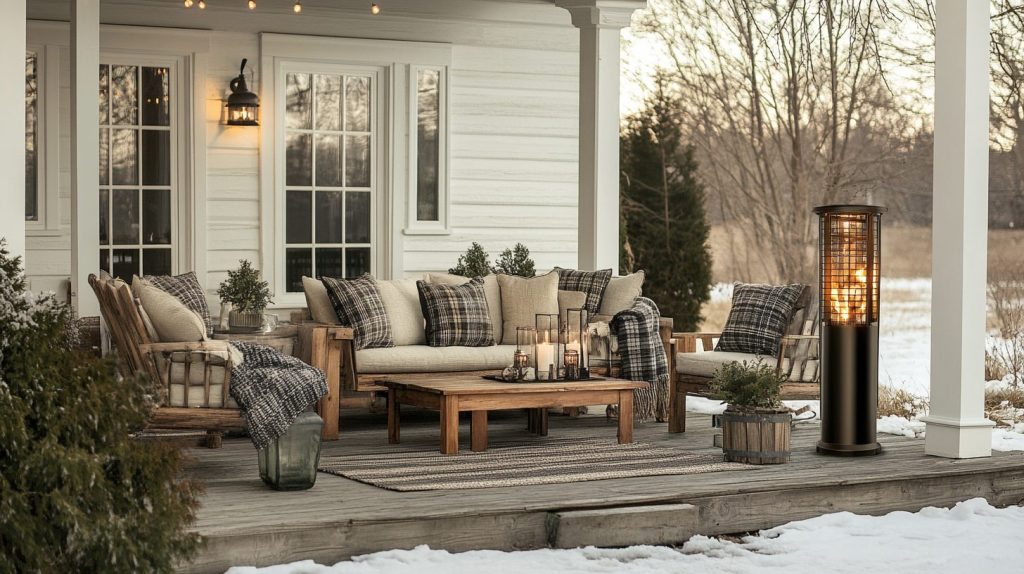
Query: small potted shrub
x,y
247,294
755,425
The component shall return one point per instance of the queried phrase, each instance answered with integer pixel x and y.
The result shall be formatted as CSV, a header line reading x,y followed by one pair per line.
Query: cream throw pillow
x,y
136,288
402,304
172,320
522,299
319,303
621,292
491,292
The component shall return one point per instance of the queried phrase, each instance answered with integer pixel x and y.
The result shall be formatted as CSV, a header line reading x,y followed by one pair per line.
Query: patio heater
x,y
849,243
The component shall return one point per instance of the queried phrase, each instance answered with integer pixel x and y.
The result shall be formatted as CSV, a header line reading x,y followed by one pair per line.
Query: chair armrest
x,y
687,342
182,347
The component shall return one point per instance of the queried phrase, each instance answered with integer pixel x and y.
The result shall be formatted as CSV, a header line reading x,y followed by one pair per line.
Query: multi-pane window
x,y
31,136
329,182
136,172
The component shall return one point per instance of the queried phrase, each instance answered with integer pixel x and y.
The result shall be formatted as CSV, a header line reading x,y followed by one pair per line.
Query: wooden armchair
x,y
191,379
797,359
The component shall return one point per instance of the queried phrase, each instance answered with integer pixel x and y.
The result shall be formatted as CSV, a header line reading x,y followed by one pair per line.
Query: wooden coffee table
x,y
451,394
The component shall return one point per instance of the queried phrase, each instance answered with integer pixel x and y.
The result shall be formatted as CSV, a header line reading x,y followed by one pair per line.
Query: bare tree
x,y
788,108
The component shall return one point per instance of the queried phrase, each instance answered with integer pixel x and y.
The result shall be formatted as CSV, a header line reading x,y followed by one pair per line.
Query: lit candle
x,y
520,360
545,358
571,360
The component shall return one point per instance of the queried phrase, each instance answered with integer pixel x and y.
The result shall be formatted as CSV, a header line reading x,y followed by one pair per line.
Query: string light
x,y
374,9
252,4
202,4
188,3
297,7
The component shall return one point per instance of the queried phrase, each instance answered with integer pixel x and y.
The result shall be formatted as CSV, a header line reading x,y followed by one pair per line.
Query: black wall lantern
x,y
850,265
243,105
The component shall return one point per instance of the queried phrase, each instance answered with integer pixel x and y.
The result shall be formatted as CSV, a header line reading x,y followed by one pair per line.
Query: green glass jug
x,y
290,461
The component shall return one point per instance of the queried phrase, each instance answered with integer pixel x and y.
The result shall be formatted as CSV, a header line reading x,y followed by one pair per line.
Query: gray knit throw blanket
x,y
272,389
643,358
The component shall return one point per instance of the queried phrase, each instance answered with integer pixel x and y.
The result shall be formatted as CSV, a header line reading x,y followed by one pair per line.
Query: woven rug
x,y
551,461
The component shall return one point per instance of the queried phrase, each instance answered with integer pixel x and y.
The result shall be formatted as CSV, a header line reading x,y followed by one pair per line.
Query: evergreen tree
x,y
663,225
77,493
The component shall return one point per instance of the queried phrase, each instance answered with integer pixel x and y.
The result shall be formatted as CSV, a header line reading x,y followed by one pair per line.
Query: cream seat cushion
x,y
424,359
706,363
171,319
319,303
402,304
491,292
523,299
621,292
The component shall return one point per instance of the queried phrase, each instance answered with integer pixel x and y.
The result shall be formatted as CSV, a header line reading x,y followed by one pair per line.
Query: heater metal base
x,y
849,449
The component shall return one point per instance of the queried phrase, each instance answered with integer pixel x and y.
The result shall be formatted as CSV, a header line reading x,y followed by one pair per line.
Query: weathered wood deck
x,y
245,523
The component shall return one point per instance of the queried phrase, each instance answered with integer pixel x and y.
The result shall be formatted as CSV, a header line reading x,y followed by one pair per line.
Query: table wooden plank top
x,y
455,384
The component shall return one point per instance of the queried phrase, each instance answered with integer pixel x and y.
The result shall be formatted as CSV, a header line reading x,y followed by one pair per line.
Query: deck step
x,y
623,526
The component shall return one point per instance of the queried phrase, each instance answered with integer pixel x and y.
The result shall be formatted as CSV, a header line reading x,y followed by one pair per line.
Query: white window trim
x,y
179,181
191,49
442,226
394,59
47,140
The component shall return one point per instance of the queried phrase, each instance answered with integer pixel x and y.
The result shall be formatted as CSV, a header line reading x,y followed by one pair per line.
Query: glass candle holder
x,y
577,339
571,360
546,347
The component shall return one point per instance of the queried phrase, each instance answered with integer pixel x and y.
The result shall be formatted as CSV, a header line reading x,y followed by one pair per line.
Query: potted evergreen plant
x,y
755,425
247,294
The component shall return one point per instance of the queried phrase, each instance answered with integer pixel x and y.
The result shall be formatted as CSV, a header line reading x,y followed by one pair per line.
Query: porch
x,y
244,523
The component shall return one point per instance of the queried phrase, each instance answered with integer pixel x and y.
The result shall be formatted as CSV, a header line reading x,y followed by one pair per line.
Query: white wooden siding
x,y
513,106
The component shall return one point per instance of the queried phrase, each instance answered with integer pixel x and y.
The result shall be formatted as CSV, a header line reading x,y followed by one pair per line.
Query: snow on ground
x,y
971,537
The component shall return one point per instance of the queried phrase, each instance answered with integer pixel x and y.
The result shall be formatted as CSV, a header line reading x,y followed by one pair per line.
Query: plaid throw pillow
x,y
358,305
456,315
759,317
185,288
593,283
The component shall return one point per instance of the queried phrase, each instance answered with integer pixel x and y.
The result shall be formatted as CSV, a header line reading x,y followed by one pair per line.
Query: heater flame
x,y
849,297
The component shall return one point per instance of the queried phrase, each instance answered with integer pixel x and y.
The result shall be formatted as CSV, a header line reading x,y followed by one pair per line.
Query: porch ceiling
x,y
319,17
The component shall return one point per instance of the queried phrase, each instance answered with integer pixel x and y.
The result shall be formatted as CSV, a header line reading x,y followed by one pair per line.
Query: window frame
x,y
414,225
377,163
393,58
47,222
178,127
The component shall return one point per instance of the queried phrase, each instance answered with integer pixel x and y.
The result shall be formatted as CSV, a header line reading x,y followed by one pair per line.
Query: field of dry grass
x,y
906,252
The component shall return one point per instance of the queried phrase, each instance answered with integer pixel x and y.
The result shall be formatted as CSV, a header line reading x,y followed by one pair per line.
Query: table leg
x,y
450,424
625,417
478,431
394,417
542,422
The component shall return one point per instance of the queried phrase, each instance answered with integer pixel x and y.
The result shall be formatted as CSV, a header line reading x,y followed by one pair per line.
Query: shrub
x,y
474,263
245,290
1006,295
516,261
748,386
77,494
899,402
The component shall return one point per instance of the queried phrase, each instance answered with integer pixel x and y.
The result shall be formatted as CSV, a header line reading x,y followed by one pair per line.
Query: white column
x,y
600,23
85,121
956,425
12,125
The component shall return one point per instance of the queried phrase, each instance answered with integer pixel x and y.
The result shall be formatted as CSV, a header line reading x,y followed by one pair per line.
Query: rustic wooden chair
x,y
191,379
797,359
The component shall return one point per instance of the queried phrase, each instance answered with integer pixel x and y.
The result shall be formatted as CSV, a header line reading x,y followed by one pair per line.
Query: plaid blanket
x,y
643,358
272,389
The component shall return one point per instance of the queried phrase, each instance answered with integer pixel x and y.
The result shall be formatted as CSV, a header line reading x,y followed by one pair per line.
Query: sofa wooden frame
x,y
797,358
331,348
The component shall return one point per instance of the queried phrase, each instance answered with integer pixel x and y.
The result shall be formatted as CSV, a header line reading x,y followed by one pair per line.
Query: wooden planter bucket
x,y
756,437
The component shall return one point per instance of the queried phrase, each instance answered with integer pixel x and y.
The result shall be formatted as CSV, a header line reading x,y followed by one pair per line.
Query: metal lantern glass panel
x,y
577,339
546,347
243,106
849,247
289,462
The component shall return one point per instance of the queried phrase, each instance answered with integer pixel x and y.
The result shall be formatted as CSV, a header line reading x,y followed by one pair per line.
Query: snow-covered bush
x,y
77,494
